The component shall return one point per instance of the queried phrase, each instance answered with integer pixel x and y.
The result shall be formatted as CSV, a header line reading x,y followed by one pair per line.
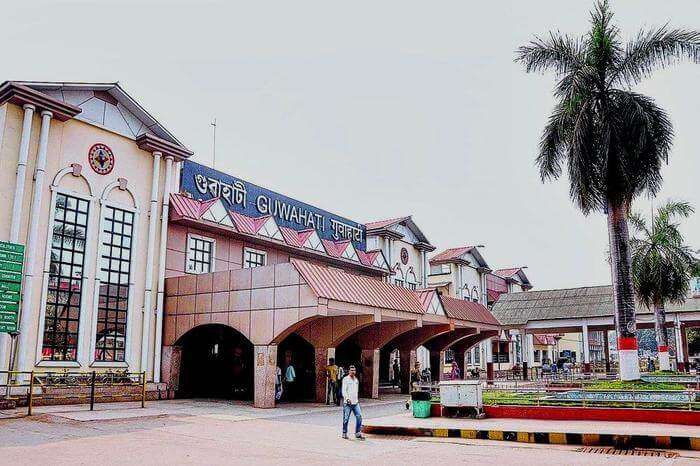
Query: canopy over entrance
x,y
323,305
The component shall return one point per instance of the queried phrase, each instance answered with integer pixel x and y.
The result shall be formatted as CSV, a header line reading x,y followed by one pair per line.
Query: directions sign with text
x,y
11,260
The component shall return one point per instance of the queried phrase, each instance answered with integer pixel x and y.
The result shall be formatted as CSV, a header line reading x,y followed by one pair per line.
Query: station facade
x,y
259,282
84,173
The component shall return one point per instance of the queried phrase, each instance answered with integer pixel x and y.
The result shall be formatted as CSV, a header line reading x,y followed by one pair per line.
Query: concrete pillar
x,y
407,360
369,386
684,341
30,310
489,360
322,356
436,358
586,349
161,268
606,349
150,258
460,357
265,360
15,223
680,347
170,368
524,352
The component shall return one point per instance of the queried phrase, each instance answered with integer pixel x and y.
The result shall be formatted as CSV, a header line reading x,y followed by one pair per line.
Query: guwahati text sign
x,y
204,183
11,260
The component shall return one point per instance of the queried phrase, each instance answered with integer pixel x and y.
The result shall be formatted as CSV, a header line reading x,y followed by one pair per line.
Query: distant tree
x,y
662,266
612,140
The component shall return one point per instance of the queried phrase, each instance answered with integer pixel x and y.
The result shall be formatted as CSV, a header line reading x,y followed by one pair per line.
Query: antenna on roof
x,y
213,161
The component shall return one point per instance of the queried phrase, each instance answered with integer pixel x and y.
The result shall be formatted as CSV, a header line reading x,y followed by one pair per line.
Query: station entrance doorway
x,y
217,362
297,353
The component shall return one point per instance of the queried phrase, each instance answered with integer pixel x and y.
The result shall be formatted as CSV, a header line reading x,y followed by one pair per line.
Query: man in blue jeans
x,y
351,403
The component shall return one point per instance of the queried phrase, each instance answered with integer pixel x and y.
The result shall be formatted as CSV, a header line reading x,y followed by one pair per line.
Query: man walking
x,y
351,404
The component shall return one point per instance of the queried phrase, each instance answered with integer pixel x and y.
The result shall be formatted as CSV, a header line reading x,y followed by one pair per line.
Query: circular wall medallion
x,y
101,159
404,256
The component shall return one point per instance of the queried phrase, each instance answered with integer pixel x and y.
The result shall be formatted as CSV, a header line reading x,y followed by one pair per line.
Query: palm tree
x,y
612,140
662,266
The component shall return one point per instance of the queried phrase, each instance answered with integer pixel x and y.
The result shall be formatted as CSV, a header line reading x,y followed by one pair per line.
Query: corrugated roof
x,y
583,302
467,310
337,285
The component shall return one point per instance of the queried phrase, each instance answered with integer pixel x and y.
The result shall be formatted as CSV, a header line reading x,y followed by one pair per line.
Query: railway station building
x,y
258,282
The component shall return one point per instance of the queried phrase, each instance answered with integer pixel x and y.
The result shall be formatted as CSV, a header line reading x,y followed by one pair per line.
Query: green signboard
x,y
11,263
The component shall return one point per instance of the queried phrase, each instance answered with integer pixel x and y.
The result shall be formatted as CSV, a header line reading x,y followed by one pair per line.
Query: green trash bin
x,y
421,408
421,403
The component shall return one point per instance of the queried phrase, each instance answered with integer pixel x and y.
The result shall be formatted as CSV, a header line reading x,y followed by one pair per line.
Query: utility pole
x,y
213,162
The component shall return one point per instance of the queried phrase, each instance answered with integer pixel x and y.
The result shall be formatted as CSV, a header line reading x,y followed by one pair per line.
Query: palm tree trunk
x,y
661,336
623,292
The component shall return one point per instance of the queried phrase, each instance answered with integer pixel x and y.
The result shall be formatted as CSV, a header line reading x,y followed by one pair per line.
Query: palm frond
x,y
655,49
560,53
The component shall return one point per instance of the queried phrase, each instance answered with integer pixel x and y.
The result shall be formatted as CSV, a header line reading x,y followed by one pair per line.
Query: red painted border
x,y
627,343
561,413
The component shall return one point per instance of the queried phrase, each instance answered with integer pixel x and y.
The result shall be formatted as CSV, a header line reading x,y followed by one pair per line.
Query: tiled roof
x,y
185,206
250,225
496,283
467,310
568,303
426,297
384,223
368,257
450,254
292,237
507,273
337,285
493,295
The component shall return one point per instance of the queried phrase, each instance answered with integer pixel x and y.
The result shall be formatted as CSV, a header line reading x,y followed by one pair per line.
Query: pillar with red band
x,y
627,343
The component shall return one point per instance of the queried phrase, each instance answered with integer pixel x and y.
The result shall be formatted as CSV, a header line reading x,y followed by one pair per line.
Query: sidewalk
x,y
234,410
589,433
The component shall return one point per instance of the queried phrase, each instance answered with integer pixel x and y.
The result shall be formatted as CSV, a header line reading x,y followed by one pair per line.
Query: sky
x,y
371,110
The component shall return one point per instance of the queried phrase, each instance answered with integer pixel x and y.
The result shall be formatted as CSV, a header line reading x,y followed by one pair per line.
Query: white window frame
x,y
247,250
87,278
212,262
130,316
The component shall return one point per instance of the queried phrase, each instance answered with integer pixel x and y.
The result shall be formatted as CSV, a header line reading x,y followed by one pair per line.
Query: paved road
x,y
203,432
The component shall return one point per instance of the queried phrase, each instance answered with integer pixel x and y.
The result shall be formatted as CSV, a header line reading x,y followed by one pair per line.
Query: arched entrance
x,y
347,353
389,362
217,362
296,351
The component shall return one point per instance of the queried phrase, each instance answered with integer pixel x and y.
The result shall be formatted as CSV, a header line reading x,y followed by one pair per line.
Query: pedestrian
x,y
455,373
290,377
397,374
351,390
339,383
331,381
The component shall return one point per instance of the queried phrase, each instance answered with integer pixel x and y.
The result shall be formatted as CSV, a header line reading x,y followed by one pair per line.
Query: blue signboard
x,y
246,198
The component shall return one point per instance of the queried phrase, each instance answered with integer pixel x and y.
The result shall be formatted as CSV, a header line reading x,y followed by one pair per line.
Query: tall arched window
x,y
64,295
